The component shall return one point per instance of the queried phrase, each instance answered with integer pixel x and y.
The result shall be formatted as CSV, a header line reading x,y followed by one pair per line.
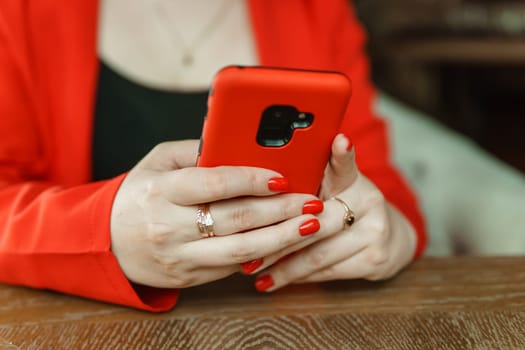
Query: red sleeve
x,y
51,236
369,132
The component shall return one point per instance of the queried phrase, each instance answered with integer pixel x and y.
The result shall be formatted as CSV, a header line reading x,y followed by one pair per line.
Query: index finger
x,y
171,155
196,185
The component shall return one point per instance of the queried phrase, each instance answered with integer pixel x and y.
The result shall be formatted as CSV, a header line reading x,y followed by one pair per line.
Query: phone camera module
x,y
278,123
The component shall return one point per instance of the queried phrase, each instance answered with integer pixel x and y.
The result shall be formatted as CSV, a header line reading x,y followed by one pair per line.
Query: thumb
x,y
171,155
341,171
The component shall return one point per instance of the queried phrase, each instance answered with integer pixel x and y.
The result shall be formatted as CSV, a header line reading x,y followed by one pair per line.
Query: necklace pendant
x,y
187,60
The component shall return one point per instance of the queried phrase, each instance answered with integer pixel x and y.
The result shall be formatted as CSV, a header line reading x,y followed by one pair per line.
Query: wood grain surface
x,y
437,303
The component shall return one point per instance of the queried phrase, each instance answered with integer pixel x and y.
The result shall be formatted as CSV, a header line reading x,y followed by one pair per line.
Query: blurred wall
x,y
462,62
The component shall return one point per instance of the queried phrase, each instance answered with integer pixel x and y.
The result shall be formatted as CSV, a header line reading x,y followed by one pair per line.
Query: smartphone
x,y
274,118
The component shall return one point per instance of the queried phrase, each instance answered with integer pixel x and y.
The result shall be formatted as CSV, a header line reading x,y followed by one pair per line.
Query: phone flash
x,y
302,116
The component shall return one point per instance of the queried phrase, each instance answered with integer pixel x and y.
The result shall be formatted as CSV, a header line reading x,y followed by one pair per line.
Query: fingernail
x,y
278,184
309,227
350,144
262,283
315,206
250,266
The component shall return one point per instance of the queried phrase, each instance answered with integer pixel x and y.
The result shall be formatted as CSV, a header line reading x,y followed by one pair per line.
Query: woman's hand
x,y
154,234
376,246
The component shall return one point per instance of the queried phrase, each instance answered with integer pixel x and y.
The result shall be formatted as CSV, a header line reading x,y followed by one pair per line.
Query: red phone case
x,y
238,97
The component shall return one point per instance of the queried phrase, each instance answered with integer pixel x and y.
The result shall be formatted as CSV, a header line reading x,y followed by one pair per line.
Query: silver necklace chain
x,y
189,48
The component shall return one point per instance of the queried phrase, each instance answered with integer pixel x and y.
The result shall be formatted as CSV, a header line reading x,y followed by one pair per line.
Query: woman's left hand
x,y
376,246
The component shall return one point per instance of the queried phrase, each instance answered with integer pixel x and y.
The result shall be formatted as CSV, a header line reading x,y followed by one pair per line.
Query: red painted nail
x,y
350,144
314,206
309,227
250,266
262,283
278,184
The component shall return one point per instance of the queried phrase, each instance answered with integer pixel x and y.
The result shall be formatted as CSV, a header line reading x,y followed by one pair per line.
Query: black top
x,y
131,119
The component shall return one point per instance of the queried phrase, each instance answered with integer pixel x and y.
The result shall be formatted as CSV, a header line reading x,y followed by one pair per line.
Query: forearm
x,y
59,239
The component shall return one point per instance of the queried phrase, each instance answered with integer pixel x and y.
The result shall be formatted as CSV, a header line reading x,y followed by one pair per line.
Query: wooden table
x,y
438,303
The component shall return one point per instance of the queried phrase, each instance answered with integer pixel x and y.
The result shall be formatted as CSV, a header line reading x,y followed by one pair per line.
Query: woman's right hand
x,y
154,234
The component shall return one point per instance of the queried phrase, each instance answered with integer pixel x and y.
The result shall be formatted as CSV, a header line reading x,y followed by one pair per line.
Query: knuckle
x,y
329,273
161,148
377,257
379,275
215,183
243,217
170,264
288,238
378,230
182,281
316,259
252,179
158,233
288,207
152,189
375,276
376,198
174,270
242,254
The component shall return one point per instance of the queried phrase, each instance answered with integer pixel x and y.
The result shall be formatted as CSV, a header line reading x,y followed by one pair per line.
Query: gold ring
x,y
349,217
205,221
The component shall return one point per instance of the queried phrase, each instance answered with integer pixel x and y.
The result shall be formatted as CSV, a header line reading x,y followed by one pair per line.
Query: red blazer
x,y
54,222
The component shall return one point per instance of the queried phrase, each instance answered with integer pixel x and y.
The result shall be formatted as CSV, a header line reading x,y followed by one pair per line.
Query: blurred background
x,y
461,61
452,80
